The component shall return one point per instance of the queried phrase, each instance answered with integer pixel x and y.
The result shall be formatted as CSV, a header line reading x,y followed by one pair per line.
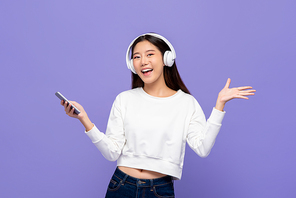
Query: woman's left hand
x,y
227,94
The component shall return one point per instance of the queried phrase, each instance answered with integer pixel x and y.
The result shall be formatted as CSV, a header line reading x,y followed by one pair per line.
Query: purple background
x,y
78,48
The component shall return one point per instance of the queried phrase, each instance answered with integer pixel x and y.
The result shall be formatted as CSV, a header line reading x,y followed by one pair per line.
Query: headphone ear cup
x,y
131,66
168,58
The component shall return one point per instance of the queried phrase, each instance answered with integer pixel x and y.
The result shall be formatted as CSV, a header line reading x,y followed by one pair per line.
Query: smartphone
x,y
61,97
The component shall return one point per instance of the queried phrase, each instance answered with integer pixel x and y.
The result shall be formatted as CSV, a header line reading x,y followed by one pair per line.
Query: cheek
x,y
160,61
159,65
137,67
136,64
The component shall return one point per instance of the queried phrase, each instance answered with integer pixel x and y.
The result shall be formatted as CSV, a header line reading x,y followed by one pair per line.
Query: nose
x,y
144,61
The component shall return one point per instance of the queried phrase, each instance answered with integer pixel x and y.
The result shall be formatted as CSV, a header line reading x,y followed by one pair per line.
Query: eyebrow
x,y
146,52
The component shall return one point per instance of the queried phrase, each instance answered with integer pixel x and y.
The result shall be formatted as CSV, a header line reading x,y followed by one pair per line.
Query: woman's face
x,y
148,62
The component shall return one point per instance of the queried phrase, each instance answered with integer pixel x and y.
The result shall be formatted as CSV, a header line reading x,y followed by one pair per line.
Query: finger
x,y
242,97
68,108
227,83
65,105
72,112
247,94
248,91
244,87
62,102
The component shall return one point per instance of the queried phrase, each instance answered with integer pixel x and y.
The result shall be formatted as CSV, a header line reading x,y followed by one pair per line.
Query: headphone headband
x,y
169,56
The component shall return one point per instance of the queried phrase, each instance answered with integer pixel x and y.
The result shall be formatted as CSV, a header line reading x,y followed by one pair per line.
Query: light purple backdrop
x,y
78,48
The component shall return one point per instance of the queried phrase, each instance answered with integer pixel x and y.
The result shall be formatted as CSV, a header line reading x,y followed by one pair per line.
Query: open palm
x,y
227,93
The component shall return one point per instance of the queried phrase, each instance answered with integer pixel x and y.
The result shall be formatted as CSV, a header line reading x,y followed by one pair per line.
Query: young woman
x,y
150,124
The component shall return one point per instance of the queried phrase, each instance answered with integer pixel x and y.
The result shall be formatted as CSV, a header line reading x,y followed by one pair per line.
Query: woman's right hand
x,y
70,111
82,116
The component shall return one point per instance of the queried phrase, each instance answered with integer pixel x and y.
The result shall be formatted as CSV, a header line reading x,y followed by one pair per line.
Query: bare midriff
x,y
141,173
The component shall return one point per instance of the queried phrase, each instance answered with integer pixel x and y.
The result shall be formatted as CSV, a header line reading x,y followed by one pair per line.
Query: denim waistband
x,y
141,182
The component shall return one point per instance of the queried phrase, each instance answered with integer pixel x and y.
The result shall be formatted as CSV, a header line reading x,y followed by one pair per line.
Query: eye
x,y
150,55
136,57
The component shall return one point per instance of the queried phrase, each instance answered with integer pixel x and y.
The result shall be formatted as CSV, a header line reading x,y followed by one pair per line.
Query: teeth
x,y
146,70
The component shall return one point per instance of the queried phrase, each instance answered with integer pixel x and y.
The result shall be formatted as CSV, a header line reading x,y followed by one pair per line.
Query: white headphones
x,y
168,57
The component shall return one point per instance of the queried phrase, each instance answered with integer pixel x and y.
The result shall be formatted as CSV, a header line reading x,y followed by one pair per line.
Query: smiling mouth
x,y
147,71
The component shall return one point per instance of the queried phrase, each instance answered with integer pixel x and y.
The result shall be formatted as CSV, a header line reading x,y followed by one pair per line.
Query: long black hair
x,y
171,75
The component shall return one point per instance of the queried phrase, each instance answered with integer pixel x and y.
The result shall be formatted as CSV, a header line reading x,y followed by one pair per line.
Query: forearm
x,y
86,123
202,134
110,146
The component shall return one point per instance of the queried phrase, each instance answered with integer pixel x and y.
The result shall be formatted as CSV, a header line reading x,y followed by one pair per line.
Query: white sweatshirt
x,y
150,133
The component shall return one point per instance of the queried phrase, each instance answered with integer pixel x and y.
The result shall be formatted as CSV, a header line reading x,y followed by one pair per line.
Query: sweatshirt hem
x,y
151,164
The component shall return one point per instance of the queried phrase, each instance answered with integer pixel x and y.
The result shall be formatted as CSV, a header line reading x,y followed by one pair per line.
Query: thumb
x,y
227,83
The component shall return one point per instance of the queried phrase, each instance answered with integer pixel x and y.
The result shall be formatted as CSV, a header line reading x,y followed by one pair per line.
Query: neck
x,y
158,90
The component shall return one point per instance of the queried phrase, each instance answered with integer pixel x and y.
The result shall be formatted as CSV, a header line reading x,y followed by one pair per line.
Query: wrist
x,y
220,105
86,123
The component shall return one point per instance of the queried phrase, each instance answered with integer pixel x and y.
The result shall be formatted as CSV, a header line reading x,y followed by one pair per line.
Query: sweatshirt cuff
x,y
216,116
94,134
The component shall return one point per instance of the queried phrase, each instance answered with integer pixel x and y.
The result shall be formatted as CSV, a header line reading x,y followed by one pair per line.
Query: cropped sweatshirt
x,y
150,133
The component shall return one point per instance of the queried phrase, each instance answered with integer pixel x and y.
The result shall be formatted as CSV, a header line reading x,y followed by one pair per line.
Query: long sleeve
x,y
201,133
111,143
150,133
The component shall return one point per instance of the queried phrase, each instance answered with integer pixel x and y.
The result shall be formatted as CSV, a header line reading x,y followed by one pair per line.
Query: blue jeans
x,y
124,186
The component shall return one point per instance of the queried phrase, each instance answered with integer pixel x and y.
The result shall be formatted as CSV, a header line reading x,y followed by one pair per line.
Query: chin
x,y
147,81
